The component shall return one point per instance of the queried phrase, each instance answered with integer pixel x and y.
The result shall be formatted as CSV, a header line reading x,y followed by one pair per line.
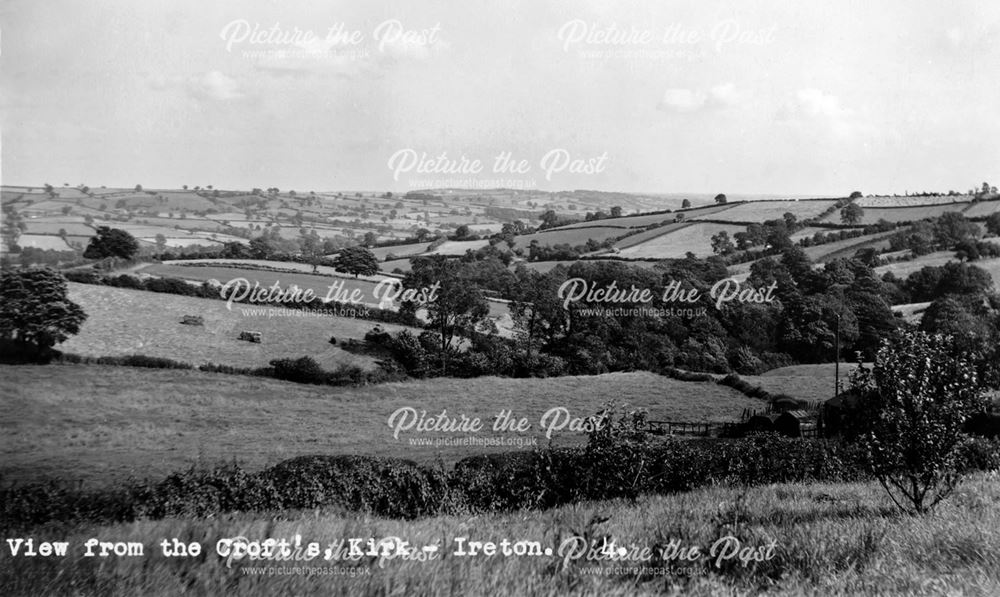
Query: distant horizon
x,y
653,194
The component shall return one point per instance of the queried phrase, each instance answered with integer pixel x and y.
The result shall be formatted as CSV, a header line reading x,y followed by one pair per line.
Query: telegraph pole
x,y
836,359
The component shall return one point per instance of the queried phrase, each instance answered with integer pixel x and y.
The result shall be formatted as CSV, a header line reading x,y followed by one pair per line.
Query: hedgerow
x,y
620,466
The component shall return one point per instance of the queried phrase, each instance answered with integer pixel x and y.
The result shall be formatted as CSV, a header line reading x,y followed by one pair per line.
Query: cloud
x,y
324,57
215,85
820,112
682,100
211,85
725,95
692,100
814,102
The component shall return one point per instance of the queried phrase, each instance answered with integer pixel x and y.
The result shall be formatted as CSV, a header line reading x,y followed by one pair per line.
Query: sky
x,y
818,98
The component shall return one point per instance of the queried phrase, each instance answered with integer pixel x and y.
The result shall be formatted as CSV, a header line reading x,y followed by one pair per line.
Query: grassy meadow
x,y
124,322
843,539
695,238
101,424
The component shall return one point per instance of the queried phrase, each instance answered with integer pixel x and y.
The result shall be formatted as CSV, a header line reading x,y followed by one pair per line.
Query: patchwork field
x,y
909,201
42,241
400,250
289,275
901,214
572,237
104,423
696,238
625,222
903,269
761,211
72,226
458,248
125,322
809,232
982,209
847,247
295,273
638,239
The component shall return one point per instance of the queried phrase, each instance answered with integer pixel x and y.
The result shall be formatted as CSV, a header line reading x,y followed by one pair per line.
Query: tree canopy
x,y
356,261
35,311
111,242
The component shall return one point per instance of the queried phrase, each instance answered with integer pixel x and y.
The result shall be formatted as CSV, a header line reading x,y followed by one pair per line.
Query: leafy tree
x,y
993,222
261,247
234,250
549,220
721,244
459,306
536,309
686,204
855,195
721,198
111,242
463,232
161,243
952,228
852,213
356,261
138,188
912,408
955,315
616,211
35,311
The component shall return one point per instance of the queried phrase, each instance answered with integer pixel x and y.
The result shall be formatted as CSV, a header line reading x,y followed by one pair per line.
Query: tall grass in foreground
x,y
831,539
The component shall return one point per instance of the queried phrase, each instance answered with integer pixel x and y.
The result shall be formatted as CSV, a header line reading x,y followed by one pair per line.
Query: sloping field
x,y
696,238
641,221
982,209
638,239
626,222
319,284
402,265
400,250
847,247
125,322
911,312
53,226
572,237
294,274
40,241
760,211
809,232
903,269
189,223
103,423
174,242
812,383
901,214
890,201
456,248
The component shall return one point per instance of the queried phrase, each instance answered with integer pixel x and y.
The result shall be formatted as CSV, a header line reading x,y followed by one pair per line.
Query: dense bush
x,y
622,464
682,375
738,383
132,360
382,486
300,370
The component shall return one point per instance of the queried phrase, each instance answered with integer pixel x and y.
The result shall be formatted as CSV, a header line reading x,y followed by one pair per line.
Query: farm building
x,y
796,423
834,411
